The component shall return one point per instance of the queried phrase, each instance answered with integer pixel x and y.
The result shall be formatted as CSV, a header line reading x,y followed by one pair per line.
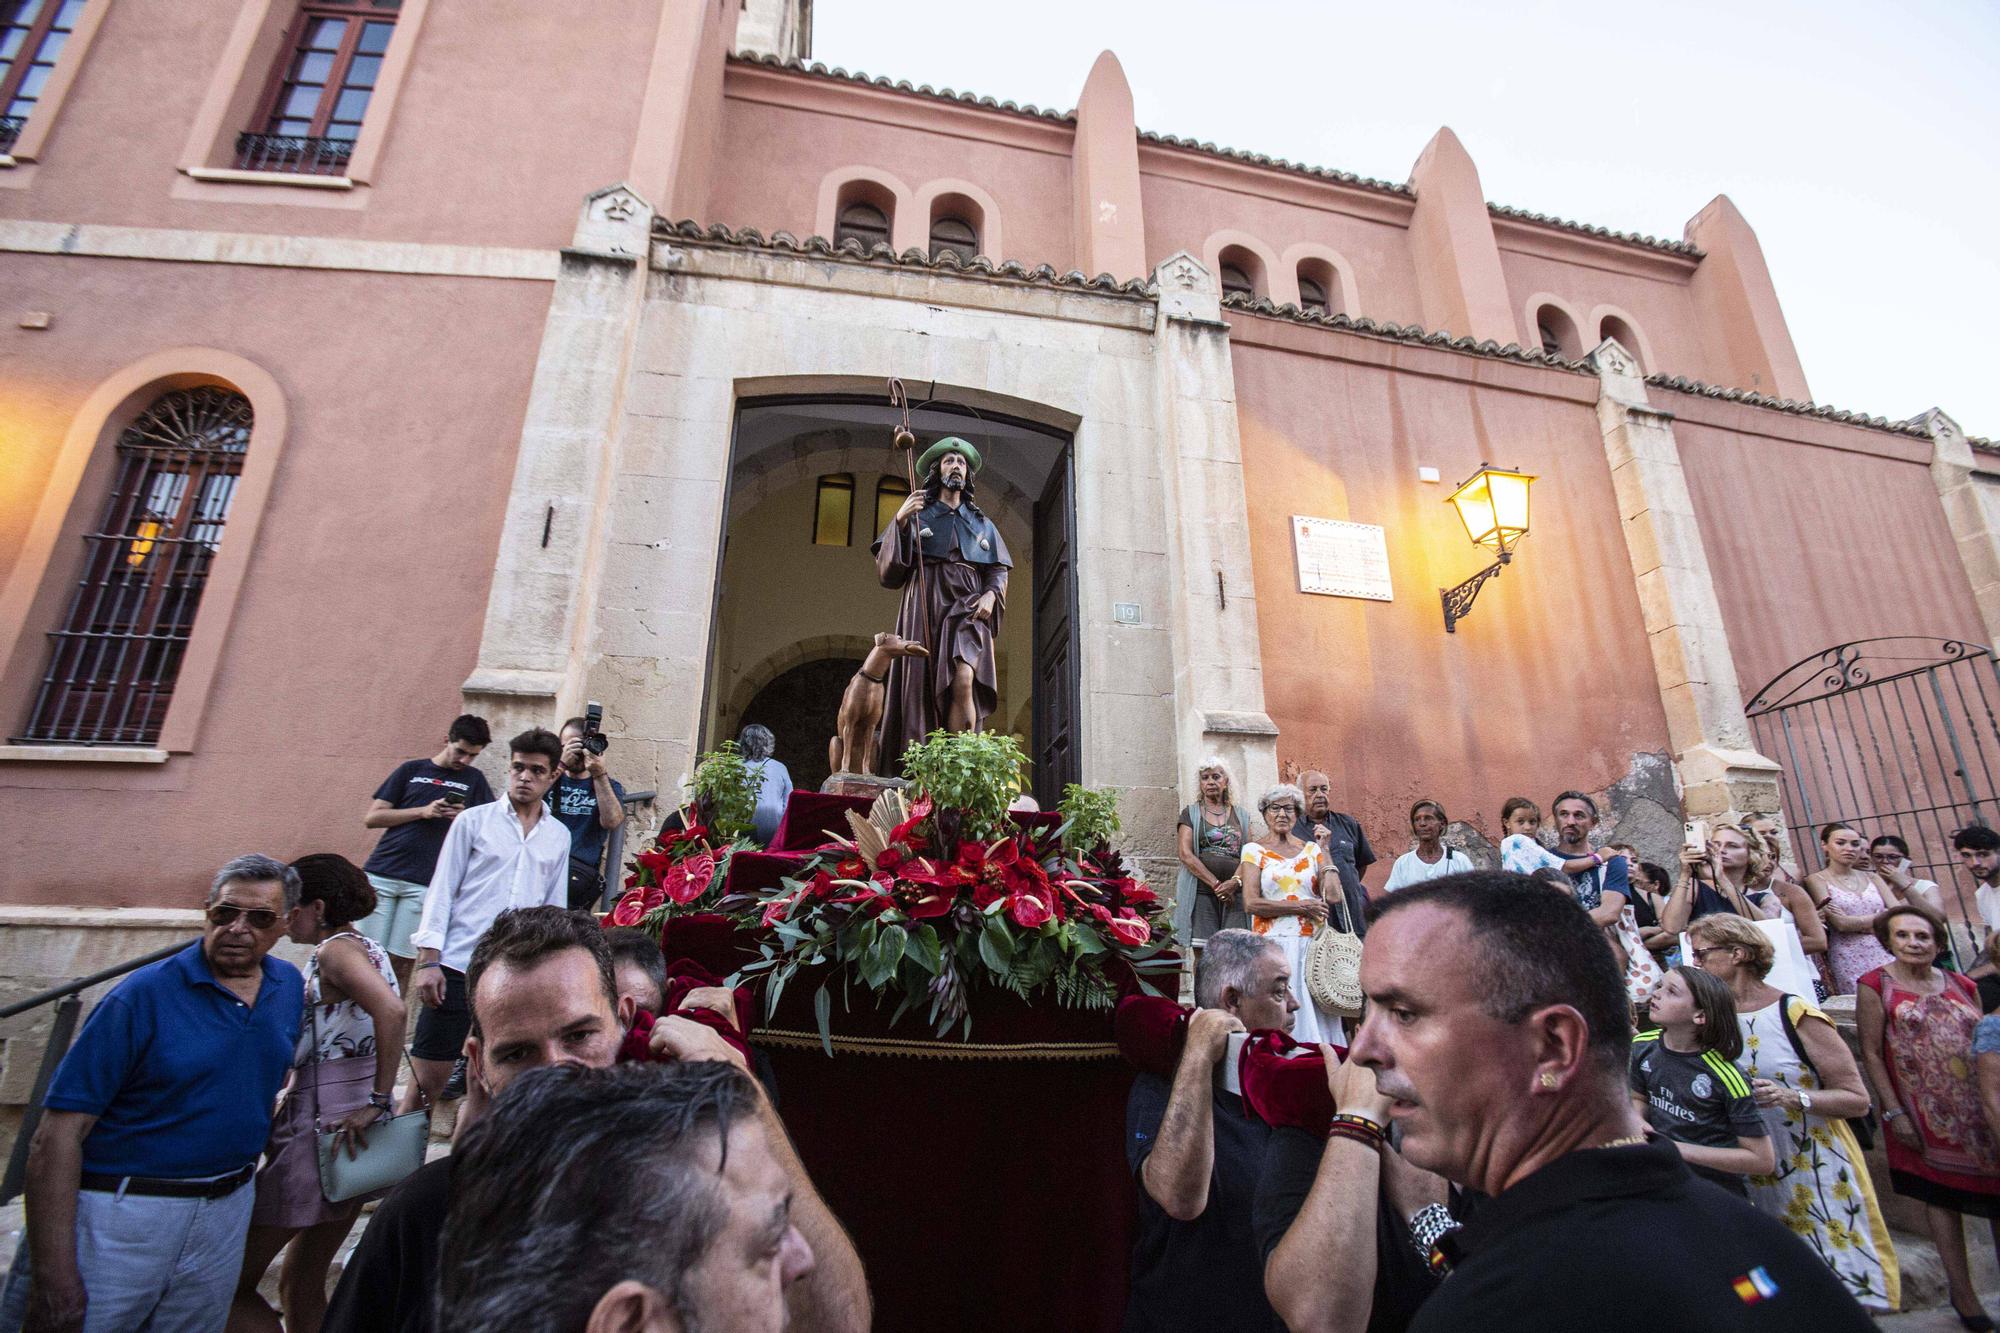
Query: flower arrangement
x,y
927,901
685,868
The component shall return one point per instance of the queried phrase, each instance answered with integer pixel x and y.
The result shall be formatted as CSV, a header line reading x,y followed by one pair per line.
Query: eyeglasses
x,y
1700,954
258,918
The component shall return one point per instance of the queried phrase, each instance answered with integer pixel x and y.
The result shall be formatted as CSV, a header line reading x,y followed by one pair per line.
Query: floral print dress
x,y
1296,876
1927,1044
1821,1189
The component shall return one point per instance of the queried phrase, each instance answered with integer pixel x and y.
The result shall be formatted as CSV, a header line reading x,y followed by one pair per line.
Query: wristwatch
x,y
380,1101
1805,1102
1429,1225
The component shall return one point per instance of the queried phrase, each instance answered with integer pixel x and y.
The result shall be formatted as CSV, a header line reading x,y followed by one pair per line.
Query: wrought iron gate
x,y
1892,735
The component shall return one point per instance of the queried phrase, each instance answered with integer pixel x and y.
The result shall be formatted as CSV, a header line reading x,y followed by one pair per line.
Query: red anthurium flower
x,y
775,911
1130,930
1029,911
691,878
1132,892
628,911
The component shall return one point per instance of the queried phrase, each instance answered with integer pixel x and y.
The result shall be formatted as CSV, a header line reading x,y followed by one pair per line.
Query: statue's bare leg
x,y
964,714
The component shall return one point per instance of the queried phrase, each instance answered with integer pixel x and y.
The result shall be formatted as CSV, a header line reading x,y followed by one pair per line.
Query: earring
x,y
1548,1081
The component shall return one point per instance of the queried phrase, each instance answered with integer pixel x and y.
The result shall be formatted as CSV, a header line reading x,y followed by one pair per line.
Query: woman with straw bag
x,y
1287,886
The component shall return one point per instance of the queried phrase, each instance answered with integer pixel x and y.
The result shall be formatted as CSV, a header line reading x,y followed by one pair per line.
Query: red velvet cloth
x,y
1283,1081
812,819
983,1194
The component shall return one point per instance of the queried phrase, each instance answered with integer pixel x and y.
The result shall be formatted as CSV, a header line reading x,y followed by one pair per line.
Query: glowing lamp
x,y
1493,505
142,542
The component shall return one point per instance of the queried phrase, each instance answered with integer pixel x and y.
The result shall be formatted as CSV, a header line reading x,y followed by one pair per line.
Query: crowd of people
x,y
1749,1081
1577,1052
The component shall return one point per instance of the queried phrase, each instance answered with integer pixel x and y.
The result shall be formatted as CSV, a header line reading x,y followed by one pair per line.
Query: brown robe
x,y
952,589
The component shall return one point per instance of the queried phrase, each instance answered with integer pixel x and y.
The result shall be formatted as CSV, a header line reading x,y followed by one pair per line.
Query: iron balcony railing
x,y
10,130
297,154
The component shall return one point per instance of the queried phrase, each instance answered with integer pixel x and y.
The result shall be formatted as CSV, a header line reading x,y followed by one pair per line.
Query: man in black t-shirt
x,y
1497,1026
1341,841
415,805
1196,1155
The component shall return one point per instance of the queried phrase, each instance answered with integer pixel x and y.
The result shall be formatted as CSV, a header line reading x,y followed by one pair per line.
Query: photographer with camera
x,y
588,802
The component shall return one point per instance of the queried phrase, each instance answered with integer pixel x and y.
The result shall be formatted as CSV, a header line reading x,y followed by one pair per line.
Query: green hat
x,y
950,444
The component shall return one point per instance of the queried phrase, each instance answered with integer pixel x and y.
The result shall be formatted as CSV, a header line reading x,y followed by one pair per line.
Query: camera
x,y
594,740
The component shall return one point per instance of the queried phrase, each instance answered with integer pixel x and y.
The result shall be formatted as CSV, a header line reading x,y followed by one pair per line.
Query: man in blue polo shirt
x,y
139,1186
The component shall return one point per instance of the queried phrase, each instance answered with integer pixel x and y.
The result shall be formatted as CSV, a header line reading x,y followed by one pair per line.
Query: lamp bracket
x,y
1458,601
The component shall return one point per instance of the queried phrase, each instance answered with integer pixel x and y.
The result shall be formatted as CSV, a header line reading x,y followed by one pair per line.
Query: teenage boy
x,y
497,857
415,806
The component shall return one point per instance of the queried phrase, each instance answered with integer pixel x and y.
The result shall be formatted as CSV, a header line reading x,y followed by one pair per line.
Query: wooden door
x,y
1056,740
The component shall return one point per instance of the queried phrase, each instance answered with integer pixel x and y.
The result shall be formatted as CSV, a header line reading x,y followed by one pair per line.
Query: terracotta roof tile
x,y
1682,384
1687,248
1010,270
1276,163
1406,333
820,71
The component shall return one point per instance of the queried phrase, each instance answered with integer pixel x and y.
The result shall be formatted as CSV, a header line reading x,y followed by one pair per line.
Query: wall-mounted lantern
x,y
1493,505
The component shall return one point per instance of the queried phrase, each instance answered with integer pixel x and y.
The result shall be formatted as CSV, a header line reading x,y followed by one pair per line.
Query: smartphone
x,y
456,798
1694,833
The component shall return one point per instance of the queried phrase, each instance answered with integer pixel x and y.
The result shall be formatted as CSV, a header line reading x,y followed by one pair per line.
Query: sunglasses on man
x,y
258,918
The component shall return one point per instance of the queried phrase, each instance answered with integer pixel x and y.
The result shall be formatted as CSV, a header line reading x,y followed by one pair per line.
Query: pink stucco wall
x,y
1653,297
1548,685
361,613
1817,534
495,139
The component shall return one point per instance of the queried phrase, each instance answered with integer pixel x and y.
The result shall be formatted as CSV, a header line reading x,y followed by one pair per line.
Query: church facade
x,y
386,369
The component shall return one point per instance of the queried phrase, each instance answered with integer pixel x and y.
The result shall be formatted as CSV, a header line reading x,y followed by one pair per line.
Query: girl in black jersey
x,y
1685,1084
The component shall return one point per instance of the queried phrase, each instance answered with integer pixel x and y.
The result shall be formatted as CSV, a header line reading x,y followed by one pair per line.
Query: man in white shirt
x,y
506,854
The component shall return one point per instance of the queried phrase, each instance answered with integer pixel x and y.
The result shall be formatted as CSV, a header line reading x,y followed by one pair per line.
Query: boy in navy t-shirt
x,y
415,805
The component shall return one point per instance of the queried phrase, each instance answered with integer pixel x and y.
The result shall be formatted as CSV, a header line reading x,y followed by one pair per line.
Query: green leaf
x,y
923,949
823,1012
996,950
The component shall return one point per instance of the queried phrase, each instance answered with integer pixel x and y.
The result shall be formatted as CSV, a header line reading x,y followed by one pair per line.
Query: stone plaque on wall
x,y
1338,559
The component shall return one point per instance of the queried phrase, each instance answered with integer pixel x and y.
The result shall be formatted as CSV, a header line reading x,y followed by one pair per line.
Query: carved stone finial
x,y
615,221
1187,289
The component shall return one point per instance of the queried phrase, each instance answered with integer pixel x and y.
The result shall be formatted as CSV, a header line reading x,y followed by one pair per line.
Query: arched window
x,y
1613,327
1240,271
863,222
833,510
890,492
1557,333
1312,296
113,663
956,235
1319,287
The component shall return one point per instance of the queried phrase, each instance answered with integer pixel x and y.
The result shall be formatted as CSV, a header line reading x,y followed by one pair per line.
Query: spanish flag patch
x,y
1755,1285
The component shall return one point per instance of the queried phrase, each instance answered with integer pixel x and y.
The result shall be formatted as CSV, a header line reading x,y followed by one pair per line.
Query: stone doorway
x,y
811,485
795,707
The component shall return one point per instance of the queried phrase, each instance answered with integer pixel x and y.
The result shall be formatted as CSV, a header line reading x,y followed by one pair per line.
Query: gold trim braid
x,y
932,1049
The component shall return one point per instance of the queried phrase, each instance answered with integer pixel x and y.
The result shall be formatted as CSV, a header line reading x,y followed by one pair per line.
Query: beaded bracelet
x,y
1355,1133
1373,1127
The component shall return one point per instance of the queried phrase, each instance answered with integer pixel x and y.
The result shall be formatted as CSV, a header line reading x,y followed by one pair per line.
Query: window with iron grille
x,y
319,95
32,35
113,661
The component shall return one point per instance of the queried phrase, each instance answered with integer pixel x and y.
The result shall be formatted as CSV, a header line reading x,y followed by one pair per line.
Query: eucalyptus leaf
x,y
823,1013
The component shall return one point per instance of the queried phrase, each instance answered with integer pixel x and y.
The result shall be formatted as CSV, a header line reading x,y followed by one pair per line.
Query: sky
x,y
1860,140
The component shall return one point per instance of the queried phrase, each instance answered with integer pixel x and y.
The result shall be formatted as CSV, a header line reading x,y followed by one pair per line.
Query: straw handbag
x,y
1333,964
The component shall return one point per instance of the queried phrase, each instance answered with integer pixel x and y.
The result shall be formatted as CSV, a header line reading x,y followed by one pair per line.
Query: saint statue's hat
x,y
950,444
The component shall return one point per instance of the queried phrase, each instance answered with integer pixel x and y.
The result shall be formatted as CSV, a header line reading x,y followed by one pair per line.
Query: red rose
x,y
1130,930
889,859
628,911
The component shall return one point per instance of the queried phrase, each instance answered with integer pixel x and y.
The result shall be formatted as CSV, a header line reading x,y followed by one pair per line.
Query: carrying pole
x,y
905,443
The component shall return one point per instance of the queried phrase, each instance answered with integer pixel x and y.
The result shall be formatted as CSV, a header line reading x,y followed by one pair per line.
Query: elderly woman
x,y
1211,832
774,781
1807,1086
1916,1022
1285,889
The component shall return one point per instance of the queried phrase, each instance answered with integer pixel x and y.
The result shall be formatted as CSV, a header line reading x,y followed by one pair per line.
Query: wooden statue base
x,y
858,784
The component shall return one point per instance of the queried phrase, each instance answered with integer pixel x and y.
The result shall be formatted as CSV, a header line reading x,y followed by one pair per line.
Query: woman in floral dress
x,y
1282,878
1916,1022
1806,1085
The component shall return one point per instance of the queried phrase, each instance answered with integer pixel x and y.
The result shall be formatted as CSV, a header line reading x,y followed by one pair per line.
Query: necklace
x,y
1630,1141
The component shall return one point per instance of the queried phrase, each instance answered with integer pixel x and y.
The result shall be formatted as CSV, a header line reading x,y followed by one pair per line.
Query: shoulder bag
x,y
395,1147
1333,963
1863,1126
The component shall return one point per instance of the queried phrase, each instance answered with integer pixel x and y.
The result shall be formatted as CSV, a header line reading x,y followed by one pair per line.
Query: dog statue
x,y
857,732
